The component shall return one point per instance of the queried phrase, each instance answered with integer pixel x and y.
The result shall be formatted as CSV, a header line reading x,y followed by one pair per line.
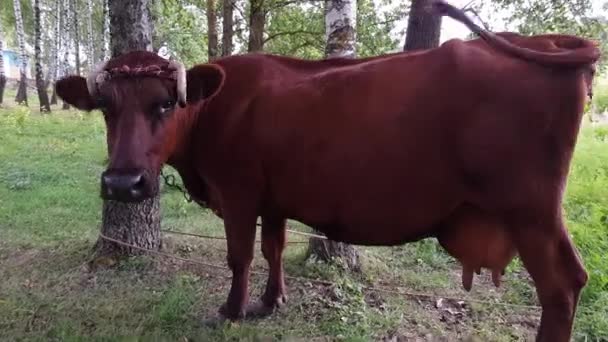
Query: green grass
x,y
50,214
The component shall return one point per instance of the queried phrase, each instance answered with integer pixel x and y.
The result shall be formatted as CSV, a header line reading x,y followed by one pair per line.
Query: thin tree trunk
x,y
227,27
42,95
135,223
257,20
423,27
340,23
67,21
105,53
56,51
212,30
90,48
21,97
76,34
2,75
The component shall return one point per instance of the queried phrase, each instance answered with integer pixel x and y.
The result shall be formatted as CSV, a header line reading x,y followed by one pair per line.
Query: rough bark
x,y
138,225
21,97
135,223
2,74
340,23
212,46
423,27
76,34
227,27
130,27
45,106
257,20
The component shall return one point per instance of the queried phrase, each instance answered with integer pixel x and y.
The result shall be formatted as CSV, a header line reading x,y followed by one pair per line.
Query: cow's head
x,y
142,97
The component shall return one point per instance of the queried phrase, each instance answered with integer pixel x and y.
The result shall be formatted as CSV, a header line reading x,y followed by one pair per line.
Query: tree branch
x,y
289,33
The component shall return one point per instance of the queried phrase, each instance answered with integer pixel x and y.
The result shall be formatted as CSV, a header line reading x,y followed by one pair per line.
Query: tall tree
x,y
90,47
340,23
212,47
22,90
105,46
257,21
56,53
135,223
40,84
76,33
227,26
423,27
2,75
66,18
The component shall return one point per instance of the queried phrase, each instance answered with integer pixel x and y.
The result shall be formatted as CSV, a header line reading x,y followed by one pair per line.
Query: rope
x,y
212,237
322,282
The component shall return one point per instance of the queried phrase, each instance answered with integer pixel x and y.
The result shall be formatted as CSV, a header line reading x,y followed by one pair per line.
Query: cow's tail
x,y
580,51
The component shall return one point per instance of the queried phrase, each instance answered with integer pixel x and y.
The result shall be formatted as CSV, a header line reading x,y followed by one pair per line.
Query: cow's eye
x,y
167,106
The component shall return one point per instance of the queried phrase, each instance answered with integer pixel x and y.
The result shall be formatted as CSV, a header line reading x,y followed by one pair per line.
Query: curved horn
x,y
92,79
180,73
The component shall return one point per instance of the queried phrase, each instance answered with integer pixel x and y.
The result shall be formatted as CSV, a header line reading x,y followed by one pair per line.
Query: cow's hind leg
x,y
551,259
273,244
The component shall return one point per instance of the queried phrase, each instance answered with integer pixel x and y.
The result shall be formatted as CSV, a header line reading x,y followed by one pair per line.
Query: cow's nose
x,y
123,187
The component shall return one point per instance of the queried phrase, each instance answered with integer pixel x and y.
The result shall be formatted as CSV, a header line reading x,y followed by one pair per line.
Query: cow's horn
x,y
93,81
180,72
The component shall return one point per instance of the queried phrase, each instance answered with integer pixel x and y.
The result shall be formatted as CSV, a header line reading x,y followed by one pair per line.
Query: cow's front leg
x,y
273,244
240,227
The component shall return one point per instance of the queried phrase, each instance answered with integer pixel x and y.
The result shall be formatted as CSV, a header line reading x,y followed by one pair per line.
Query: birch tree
x,y
2,74
134,223
21,97
66,21
90,47
40,84
423,27
340,23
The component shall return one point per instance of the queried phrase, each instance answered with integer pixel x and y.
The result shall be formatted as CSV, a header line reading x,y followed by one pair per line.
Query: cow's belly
x,y
373,199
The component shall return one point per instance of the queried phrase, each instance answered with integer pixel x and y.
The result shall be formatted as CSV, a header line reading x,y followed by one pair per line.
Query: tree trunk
x,y
90,48
257,20
340,23
135,223
105,46
227,27
55,65
423,27
212,30
2,75
130,27
21,97
76,34
66,21
40,84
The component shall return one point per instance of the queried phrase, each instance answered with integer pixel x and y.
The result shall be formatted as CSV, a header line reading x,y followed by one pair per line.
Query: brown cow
x,y
377,151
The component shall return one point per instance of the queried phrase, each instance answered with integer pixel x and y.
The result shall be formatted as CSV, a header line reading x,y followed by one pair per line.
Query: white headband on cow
x,y
98,76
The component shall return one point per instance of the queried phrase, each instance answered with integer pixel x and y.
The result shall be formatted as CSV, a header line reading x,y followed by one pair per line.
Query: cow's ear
x,y
204,81
74,91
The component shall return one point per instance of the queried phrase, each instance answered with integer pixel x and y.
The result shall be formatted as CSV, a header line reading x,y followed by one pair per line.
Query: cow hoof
x,y
214,322
234,315
265,307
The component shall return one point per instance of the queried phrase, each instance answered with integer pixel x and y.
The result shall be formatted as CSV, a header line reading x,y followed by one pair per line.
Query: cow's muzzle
x,y
131,185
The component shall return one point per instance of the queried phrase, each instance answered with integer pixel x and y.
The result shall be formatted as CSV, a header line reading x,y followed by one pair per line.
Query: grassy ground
x,y
50,216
